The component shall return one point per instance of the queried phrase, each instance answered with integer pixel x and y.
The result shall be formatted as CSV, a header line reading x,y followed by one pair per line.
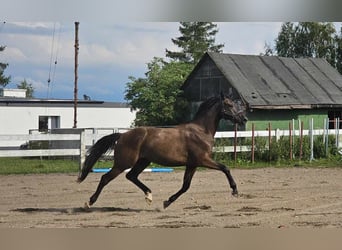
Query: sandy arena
x,y
269,198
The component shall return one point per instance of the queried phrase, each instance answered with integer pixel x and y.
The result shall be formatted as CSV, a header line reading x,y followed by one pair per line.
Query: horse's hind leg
x,y
189,173
132,175
105,179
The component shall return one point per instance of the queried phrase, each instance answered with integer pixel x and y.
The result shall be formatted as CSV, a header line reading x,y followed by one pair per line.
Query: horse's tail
x,y
95,152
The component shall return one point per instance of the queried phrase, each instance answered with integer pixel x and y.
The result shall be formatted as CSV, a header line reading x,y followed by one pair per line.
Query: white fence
x,y
84,138
69,142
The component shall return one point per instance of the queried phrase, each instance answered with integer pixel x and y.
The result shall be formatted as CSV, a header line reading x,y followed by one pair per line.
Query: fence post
x,y
290,139
277,134
326,127
253,142
82,149
269,140
337,132
95,135
294,130
311,140
301,141
235,142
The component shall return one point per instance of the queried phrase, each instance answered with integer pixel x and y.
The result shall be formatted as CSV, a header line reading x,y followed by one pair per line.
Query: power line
x,y
51,56
57,52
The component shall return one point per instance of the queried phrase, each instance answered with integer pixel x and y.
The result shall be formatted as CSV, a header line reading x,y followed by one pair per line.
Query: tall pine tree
x,y
196,39
157,97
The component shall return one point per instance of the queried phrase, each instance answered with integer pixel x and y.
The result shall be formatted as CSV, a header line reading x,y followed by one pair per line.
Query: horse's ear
x,y
221,95
230,94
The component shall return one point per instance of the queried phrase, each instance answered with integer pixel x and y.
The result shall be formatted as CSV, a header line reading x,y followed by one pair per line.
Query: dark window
x,y
333,114
43,123
48,122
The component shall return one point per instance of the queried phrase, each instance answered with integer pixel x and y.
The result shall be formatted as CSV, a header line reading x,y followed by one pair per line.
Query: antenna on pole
x,y
76,75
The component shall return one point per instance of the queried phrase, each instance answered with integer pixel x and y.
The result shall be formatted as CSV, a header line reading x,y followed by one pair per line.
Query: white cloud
x,y
34,25
13,54
25,48
125,45
247,38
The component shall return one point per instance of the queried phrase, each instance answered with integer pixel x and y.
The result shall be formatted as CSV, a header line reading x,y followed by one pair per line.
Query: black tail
x,y
95,152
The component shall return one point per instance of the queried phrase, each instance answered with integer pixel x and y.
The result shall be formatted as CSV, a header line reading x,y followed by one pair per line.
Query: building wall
x,y
19,120
280,119
206,82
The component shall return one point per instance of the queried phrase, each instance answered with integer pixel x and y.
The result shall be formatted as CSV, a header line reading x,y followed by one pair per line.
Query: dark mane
x,y
206,105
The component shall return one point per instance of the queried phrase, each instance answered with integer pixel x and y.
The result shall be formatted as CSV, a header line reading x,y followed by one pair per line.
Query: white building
x,y
20,115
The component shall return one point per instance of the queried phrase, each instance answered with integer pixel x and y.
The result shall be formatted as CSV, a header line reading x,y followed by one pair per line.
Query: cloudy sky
x,y
109,52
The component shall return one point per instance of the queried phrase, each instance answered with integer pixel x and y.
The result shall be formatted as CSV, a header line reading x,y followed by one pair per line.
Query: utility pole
x,y
76,75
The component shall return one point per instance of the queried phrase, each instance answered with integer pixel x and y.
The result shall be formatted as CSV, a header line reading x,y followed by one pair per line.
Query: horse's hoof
x,y
86,205
166,204
148,198
235,193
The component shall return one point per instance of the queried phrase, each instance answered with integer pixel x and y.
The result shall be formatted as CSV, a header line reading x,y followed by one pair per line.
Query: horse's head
x,y
233,111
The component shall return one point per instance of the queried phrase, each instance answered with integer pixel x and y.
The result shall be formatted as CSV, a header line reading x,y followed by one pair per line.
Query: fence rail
x,y
84,138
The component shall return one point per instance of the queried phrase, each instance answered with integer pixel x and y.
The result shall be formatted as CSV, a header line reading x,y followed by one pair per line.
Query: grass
x,y
37,166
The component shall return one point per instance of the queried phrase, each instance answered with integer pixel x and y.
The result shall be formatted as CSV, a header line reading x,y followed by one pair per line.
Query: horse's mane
x,y
206,105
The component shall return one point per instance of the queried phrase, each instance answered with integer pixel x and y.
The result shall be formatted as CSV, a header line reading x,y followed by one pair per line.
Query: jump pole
x,y
147,170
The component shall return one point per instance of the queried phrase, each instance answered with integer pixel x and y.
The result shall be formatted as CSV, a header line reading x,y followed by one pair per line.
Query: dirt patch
x,y
269,197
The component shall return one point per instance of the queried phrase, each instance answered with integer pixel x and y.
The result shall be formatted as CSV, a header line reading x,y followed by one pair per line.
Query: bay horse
x,y
189,144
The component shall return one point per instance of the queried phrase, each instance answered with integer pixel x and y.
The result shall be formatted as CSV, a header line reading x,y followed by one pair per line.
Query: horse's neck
x,y
208,122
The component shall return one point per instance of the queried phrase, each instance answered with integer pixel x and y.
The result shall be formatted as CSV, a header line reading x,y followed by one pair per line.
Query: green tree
x,y
308,39
285,41
28,86
3,79
196,38
339,51
157,97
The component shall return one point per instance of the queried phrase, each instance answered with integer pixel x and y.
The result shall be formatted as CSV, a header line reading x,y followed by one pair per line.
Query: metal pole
x,y
269,141
301,141
76,75
253,141
290,139
338,133
235,142
337,127
311,139
327,137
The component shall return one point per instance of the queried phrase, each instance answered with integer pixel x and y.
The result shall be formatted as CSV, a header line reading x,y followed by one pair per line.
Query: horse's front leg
x,y
209,163
230,178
